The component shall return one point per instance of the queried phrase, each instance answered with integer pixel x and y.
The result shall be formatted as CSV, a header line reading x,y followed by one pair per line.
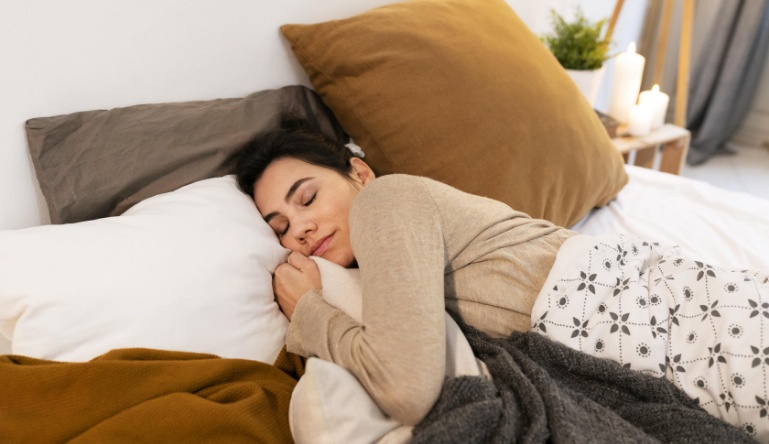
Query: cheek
x,y
288,242
344,205
334,213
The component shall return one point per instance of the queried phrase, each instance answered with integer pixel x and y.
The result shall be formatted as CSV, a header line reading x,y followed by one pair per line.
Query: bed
x,y
154,255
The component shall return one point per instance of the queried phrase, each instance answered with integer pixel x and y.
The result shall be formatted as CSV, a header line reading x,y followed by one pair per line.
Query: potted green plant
x,y
580,48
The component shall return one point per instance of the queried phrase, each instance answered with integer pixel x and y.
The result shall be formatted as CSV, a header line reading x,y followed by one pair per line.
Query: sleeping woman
x,y
422,248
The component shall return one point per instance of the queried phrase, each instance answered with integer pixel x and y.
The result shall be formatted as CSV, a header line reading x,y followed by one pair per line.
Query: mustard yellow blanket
x,y
142,395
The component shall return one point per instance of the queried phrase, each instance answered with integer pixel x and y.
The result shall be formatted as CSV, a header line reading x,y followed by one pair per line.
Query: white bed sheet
x,y
716,226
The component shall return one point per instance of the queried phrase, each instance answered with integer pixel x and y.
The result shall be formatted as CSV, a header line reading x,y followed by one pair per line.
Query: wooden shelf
x,y
671,141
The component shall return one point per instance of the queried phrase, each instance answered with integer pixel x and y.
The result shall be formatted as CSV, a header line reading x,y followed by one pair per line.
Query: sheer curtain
x,y
726,74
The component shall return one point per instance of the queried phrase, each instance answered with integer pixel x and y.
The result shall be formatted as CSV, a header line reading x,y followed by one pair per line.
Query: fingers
x,y
290,282
300,261
286,272
299,271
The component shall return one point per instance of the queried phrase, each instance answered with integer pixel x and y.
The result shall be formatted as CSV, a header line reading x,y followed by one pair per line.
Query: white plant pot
x,y
588,82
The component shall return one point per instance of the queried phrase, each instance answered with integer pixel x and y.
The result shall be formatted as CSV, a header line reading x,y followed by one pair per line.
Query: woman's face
x,y
308,206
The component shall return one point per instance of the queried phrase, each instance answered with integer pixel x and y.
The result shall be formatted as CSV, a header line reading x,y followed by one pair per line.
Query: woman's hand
x,y
293,279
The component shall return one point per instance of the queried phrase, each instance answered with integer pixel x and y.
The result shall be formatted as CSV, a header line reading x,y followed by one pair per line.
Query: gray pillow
x,y
95,164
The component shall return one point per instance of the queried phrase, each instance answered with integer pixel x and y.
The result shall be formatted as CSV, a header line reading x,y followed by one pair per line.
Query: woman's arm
x,y
398,353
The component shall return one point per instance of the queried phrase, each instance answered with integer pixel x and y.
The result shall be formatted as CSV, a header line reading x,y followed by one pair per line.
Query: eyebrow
x,y
290,193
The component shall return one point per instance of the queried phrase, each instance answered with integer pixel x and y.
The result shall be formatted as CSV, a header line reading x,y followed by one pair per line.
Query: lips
x,y
321,246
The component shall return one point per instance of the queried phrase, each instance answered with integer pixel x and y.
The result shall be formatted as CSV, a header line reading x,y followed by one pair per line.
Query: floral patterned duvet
x,y
652,309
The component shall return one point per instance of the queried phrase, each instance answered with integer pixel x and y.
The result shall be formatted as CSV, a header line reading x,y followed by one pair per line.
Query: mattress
x,y
716,226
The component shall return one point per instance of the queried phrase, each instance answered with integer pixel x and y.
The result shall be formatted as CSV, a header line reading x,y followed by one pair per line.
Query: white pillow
x,y
189,270
329,405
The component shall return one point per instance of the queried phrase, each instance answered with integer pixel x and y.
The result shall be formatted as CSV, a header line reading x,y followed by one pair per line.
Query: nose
x,y
301,228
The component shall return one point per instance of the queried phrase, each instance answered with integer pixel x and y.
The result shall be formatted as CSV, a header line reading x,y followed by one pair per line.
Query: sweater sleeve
x,y
398,352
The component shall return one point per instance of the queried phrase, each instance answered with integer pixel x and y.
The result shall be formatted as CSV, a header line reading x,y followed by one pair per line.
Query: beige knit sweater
x,y
424,247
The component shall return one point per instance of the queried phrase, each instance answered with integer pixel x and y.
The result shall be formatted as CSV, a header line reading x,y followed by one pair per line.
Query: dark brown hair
x,y
295,139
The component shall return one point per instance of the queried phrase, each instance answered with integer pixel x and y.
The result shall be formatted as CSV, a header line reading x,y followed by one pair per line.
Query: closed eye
x,y
306,204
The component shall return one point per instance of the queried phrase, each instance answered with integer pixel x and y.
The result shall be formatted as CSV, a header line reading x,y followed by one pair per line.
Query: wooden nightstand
x,y
670,140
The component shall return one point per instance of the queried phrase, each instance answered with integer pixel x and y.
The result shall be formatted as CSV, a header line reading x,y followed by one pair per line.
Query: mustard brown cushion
x,y
463,92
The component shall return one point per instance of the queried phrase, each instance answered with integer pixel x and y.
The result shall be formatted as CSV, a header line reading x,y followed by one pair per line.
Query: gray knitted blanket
x,y
546,392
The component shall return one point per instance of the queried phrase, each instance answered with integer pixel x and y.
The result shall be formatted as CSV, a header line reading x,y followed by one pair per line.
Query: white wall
x,y
62,56
58,57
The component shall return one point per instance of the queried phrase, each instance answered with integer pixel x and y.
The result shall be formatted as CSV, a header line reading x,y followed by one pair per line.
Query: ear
x,y
361,172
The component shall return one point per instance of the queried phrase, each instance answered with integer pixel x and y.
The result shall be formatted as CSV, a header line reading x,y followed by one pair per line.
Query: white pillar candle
x,y
658,102
628,69
639,120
